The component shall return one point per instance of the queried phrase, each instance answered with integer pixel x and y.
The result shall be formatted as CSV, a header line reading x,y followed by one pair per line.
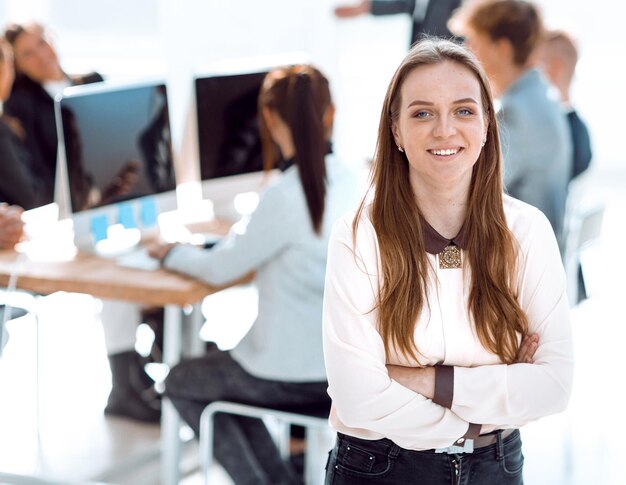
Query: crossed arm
x,y
400,402
422,379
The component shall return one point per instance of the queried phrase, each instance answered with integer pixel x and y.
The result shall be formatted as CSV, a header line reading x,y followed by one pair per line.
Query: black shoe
x,y
132,391
127,403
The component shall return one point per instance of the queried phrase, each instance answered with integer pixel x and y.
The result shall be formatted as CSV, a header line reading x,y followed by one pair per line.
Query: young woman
x,y
17,183
438,293
279,363
39,78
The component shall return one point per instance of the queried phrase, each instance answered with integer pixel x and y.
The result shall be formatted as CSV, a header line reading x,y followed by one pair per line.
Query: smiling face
x,y
35,57
441,125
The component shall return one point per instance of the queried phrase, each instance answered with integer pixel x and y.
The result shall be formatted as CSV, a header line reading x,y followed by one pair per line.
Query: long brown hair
x,y
492,253
301,97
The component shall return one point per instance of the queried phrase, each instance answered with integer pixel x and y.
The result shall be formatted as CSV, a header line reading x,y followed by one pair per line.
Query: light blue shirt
x,y
285,342
536,147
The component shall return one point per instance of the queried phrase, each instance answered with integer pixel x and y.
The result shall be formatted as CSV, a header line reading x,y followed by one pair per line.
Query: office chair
x,y
319,436
583,228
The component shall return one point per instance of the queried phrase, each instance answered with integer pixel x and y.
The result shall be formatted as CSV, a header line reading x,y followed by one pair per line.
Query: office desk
x,y
102,278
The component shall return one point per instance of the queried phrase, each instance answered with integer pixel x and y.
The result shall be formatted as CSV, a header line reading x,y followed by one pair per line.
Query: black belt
x,y
480,442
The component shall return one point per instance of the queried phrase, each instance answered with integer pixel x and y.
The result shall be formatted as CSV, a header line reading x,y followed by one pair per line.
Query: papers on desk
x,y
139,259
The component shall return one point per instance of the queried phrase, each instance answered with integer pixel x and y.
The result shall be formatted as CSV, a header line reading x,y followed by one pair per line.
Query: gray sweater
x,y
285,342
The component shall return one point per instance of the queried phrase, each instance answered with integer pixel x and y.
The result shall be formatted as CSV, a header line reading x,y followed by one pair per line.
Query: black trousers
x,y
242,445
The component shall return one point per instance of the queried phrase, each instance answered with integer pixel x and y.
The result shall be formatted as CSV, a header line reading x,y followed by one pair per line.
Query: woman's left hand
x,y
418,379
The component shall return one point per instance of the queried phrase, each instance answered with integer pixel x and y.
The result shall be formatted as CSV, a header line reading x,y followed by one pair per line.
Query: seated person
x,y
17,183
39,78
279,363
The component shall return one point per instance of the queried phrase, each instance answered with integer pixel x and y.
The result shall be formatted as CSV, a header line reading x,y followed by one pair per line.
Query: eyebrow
x,y
428,103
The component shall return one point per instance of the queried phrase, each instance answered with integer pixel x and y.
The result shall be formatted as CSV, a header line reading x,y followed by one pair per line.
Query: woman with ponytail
x,y
279,363
446,322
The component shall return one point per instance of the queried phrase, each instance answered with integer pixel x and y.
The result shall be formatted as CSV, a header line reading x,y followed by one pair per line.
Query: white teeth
x,y
449,151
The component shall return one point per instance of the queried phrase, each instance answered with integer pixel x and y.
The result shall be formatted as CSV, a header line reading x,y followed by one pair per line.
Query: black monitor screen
x,y
228,128
117,143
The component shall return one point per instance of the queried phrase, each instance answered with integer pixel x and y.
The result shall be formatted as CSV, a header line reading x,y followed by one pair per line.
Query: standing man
x,y
536,143
558,57
429,16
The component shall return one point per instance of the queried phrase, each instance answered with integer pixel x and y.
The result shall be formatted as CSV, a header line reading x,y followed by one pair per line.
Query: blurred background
x,y
175,40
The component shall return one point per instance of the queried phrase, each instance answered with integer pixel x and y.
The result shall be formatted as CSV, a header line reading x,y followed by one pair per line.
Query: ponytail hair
x,y
300,95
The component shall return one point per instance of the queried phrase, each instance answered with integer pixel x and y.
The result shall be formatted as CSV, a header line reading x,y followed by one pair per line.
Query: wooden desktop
x,y
103,278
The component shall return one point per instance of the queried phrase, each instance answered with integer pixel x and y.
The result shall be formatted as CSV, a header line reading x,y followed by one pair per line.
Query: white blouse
x,y
368,404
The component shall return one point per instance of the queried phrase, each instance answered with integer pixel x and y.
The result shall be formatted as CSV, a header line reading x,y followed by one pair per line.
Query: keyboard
x,y
138,258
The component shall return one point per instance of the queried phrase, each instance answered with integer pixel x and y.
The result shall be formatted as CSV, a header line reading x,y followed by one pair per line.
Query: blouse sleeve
x,y
269,230
362,392
519,393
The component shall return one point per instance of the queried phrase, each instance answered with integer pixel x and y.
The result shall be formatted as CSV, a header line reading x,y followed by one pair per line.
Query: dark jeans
x,y
357,461
242,445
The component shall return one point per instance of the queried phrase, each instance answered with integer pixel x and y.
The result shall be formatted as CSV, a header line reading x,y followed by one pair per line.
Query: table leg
x,y
194,345
170,420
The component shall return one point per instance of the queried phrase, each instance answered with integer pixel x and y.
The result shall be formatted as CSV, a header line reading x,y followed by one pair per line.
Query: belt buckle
x,y
468,447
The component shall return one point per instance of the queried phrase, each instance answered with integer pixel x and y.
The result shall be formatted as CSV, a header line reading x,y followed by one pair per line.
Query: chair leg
x,y
206,443
318,442
37,377
316,436
282,439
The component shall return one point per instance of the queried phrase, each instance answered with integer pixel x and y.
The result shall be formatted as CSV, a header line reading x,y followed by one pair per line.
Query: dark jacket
x,y
17,182
31,104
580,143
433,22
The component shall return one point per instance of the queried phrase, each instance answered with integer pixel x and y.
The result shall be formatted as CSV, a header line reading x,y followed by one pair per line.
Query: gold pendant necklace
x,y
450,258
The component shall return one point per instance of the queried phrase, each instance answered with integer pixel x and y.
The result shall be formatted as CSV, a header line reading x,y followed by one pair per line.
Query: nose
x,y
444,127
40,53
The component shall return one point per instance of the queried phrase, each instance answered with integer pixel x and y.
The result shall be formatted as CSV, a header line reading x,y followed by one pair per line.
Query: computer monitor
x,y
115,147
228,128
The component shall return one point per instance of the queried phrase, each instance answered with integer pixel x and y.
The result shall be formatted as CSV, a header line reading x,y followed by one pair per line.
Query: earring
x,y
400,149
484,141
